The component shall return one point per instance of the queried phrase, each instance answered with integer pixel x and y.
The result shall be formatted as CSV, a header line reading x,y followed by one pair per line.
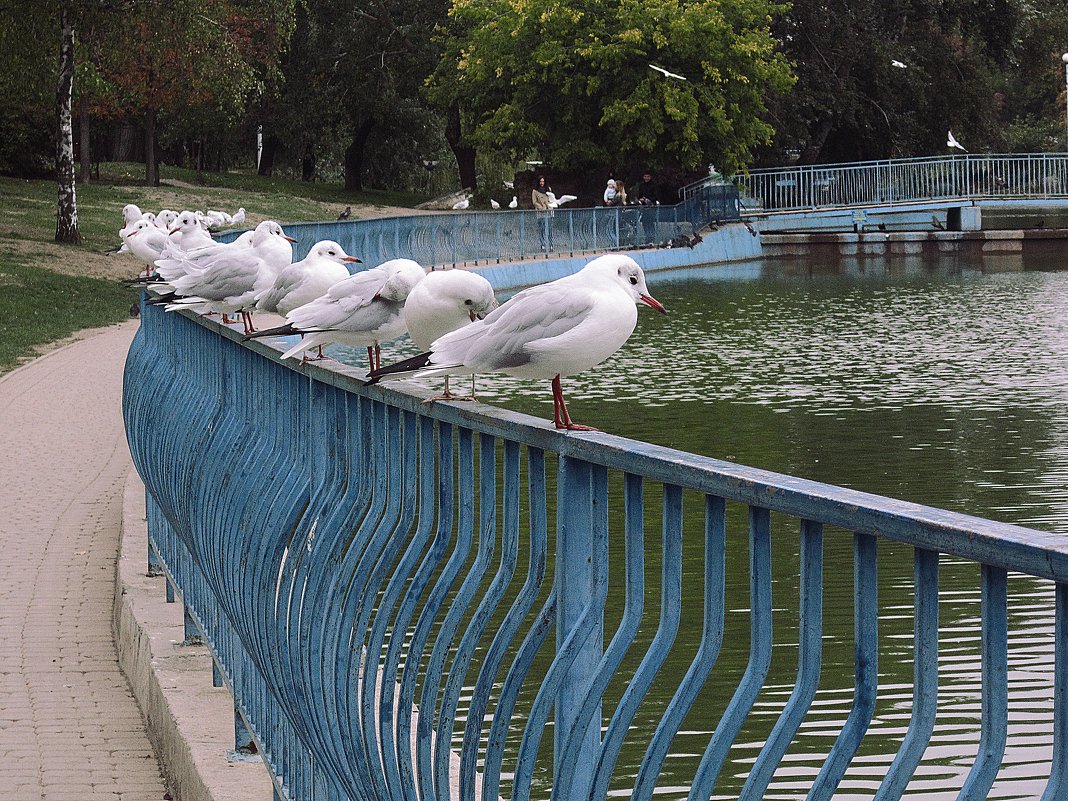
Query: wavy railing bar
x,y
352,557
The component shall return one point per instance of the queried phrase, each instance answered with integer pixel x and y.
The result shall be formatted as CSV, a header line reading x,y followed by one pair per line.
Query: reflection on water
x,y
936,383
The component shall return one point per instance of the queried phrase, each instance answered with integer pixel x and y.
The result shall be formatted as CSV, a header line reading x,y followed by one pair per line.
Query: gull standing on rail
x,y
445,301
548,331
306,280
364,310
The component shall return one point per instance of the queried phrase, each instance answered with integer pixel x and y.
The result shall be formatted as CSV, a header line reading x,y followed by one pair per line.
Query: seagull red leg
x,y
371,357
560,415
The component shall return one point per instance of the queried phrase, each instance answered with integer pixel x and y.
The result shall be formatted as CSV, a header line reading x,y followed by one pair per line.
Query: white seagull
x,y
494,204
364,310
166,219
951,141
556,202
305,280
238,217
548,331
145,241
445,301
188,234
217,219
461,204
515,203
668,74
131,214
901,65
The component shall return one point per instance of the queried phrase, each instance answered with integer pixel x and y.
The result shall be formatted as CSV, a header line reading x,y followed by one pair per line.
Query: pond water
x,y
940,382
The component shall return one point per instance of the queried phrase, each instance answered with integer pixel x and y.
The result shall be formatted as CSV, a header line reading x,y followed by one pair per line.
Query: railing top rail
x,y
1009,546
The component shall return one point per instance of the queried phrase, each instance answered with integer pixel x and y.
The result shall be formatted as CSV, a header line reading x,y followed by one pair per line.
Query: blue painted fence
x,y
866,183
469,237
408,601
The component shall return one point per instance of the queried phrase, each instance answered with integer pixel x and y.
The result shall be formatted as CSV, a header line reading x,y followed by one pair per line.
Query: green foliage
x,y
38,306
574,82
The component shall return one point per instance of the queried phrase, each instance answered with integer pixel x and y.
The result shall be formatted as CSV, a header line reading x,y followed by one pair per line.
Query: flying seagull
x,y
668,74
901,65
951,141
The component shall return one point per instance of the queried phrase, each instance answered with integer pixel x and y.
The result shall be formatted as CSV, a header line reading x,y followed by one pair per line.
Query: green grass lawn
x,y
38,306
49,291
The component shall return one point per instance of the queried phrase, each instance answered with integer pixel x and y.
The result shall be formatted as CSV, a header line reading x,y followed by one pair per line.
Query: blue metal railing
x,y
499,236
378,581
865,183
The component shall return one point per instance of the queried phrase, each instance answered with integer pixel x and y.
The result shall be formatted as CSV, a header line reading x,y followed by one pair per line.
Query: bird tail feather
x,y
278,331
401,368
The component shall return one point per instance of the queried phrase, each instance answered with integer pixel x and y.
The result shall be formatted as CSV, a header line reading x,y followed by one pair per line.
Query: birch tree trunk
x,y
67,217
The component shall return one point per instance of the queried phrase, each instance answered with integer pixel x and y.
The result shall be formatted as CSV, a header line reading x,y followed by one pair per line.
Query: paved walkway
x,y
69,727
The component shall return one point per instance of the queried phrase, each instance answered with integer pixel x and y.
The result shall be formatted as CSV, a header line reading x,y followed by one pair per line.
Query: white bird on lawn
x,y
305,280
462,204
548,331
238,217
364,310
668,74
951,141
494,204
515,203
901,65
445,301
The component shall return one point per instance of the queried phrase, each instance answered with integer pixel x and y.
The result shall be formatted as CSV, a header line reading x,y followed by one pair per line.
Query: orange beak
x,y
353,258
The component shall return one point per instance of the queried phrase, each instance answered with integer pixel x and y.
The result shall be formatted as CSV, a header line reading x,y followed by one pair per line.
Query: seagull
x,y
951,141
131,214
239,217
305,280
229,284
462,204
509,184
346,213
145,241
217,219
494,204
188,234
255,262
166,219
515,203
548,331
445,301
364,310
668,74
556,202
901,65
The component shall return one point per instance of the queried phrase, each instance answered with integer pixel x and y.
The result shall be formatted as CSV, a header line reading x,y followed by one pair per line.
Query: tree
x,y
574,83
67,217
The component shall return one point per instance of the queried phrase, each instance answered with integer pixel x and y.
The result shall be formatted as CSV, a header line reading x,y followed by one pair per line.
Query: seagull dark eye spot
x,y
331,253
634,279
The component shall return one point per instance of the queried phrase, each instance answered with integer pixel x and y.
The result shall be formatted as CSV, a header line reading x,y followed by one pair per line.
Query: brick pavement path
x,y
69,728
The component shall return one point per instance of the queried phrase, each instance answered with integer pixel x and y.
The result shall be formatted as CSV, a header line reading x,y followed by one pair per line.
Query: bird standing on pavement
x,y
548,331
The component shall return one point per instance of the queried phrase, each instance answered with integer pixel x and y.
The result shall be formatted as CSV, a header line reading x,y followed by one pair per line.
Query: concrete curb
x,y
189,722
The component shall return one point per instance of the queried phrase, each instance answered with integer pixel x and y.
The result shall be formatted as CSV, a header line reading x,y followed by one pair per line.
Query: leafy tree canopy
x,y
573,82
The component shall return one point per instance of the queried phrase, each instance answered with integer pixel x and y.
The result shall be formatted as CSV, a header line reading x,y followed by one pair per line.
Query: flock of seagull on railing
x,y
548,331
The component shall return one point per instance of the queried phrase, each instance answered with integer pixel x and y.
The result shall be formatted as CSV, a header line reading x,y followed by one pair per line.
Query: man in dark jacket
x,y
648,194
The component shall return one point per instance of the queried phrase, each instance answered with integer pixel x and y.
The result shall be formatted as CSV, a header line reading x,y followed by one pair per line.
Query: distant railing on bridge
x,y
867,183
468,237
407,600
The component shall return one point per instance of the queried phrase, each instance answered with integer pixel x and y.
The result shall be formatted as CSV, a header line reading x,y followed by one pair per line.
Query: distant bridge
x,y
1016,176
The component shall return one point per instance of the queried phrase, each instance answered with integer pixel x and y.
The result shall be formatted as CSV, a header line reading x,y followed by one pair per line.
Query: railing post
x,y
575,557
192,630
155,564
244,743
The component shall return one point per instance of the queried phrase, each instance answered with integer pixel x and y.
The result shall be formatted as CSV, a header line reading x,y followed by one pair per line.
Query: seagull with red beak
x,y
549,331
